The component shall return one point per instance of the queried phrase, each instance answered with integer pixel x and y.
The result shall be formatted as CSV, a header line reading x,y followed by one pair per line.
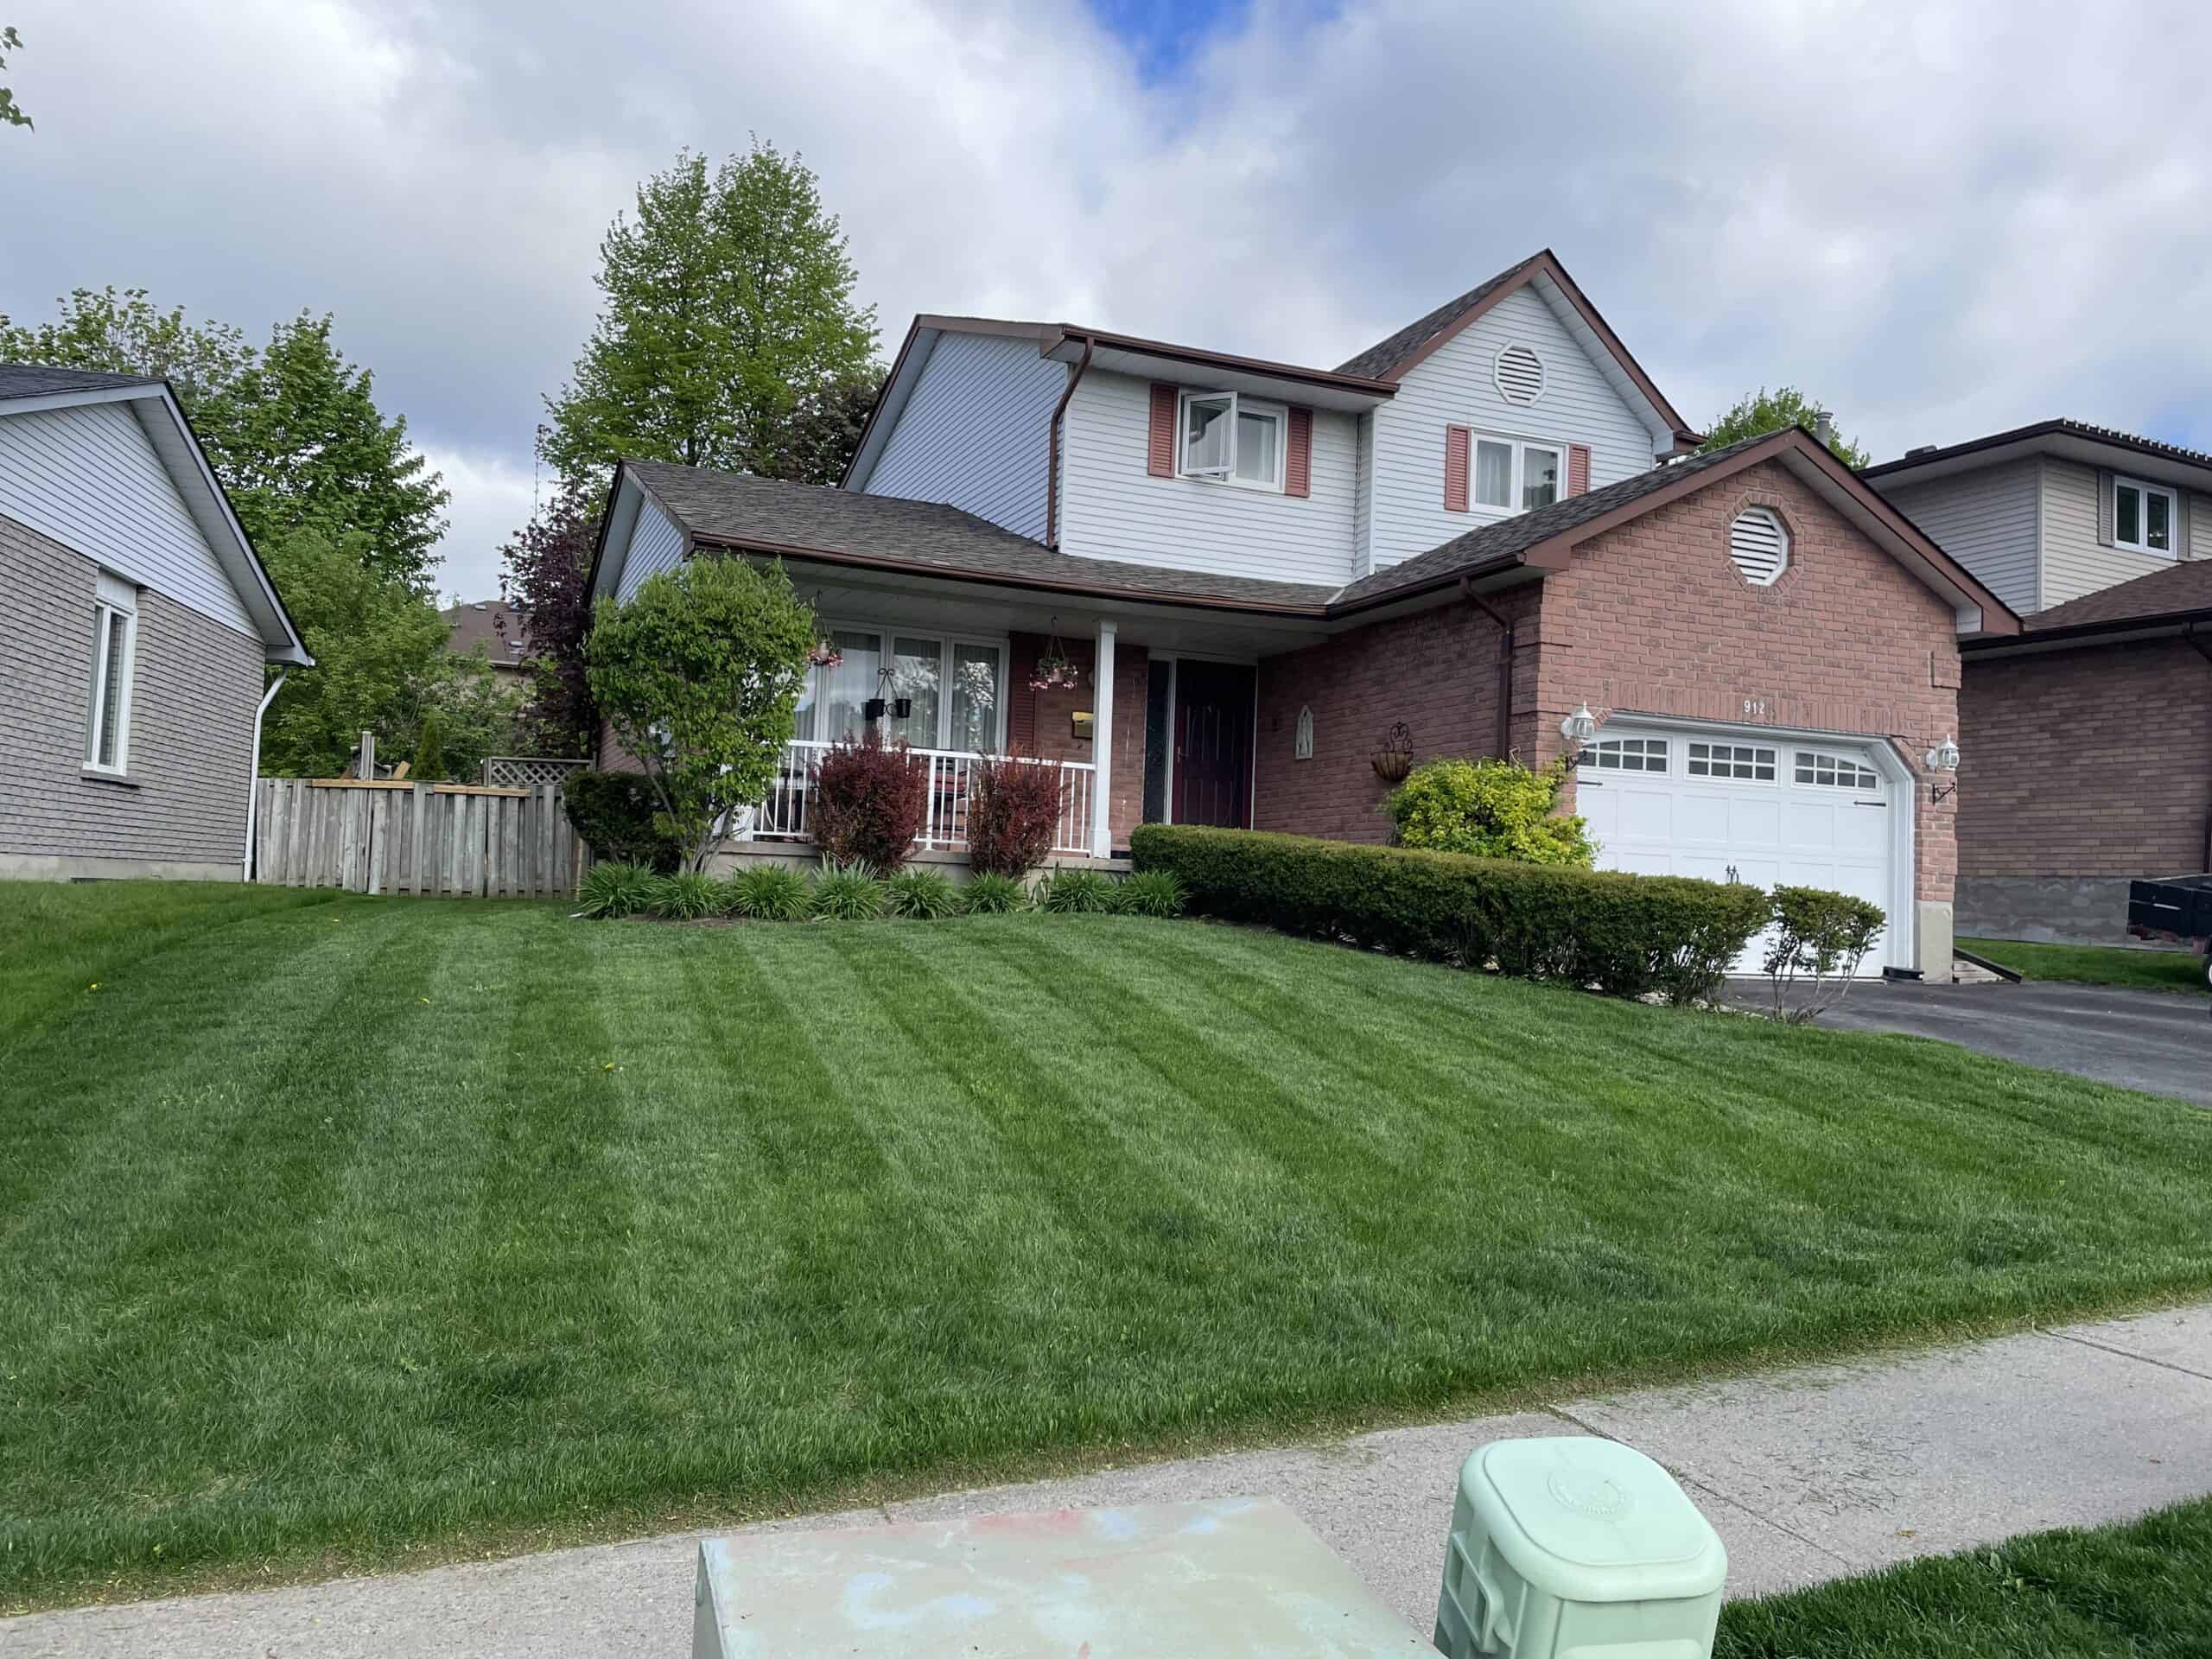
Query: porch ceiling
x,y
839,592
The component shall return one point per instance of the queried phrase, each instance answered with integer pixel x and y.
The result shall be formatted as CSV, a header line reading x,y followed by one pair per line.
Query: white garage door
x,y
1744,807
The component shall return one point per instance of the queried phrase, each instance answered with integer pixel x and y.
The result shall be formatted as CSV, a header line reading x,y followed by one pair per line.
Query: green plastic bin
x,y
1575,1546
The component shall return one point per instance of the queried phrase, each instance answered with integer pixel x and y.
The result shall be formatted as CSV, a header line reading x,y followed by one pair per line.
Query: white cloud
x,y
493,496
1942,220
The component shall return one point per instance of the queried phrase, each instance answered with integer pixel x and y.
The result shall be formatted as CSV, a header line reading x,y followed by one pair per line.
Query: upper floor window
x,y
1232,439
2143,516
107,715
1514,476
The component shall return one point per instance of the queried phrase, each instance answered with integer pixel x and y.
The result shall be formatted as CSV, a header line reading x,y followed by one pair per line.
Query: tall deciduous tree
x,y
698,672
1765,411
292,431
546,575
728,301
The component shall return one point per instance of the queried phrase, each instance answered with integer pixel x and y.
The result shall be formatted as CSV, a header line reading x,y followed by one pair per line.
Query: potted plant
x,y
825,655
1054,668
902,708
871,709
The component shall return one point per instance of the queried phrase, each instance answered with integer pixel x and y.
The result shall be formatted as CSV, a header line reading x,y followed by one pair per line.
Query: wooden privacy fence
x,y
424,838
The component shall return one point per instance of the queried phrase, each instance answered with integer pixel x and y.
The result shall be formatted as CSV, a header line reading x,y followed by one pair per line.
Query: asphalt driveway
x,y
2158,1041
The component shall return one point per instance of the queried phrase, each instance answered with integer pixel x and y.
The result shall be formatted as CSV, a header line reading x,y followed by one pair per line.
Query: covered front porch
x,y
1147,711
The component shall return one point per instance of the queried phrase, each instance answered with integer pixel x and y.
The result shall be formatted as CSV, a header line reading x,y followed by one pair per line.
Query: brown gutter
x,y
1503,741
1052,460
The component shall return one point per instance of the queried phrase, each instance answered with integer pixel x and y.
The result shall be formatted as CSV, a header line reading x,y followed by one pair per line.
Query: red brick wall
x,y
1053,716
1653,617
2090,762
1436,671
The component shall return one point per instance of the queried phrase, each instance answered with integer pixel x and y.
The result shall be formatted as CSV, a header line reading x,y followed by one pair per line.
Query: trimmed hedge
x,y
1627,935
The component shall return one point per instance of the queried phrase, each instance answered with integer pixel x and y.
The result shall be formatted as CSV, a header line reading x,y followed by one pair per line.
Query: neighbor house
x,y
2100,539
1217,589
493,629
135,623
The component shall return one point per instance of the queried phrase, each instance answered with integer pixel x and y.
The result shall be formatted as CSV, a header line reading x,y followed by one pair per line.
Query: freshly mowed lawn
x,y
347,1232
2097,964
2142,1590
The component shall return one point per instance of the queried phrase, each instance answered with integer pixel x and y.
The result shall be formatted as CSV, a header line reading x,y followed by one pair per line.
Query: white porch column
x,y
1102,743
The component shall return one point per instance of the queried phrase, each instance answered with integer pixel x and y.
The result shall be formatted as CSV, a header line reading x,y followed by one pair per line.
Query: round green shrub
x,y
1489,809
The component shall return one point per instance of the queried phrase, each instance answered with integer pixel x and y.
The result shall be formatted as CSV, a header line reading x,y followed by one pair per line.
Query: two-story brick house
x,y
1213,587
2100,540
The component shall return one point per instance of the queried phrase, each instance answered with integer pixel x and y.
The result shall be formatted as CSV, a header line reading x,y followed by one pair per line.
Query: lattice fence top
x,y
526,771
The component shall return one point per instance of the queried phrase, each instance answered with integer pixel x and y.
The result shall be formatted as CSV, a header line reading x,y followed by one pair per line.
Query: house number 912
x,y
1754,708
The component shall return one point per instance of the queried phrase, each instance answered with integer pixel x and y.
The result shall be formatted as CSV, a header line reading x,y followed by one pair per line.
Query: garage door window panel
x,y
1832,772
1746,761
1625,755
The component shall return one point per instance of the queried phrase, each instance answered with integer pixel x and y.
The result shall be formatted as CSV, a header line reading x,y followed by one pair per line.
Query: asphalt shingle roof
x,y
2185,586
1524,531
2061,426
1376,362
36,380
733,508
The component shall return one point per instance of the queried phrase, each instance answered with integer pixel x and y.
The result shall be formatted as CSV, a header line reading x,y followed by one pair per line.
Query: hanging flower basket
x,y
825,655
1054,668
1395,758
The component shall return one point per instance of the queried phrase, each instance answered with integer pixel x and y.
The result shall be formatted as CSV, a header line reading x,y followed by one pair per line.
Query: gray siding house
x,y
2046,513
135,623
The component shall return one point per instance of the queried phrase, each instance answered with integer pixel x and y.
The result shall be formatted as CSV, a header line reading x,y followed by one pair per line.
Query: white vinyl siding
x,y
655,545
2074,562
1457,386
1985,519
974,430
1113,508
88,478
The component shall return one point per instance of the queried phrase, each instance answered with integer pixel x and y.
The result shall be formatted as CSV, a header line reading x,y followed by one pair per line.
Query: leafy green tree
x,y
699,673
728,301
824,429
293,429
429,763
382,664
301,444
1765,411
11,112
124,333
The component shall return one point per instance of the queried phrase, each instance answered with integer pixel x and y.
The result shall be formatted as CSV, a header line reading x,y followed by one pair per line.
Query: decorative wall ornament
x,y
1302,745
1395,758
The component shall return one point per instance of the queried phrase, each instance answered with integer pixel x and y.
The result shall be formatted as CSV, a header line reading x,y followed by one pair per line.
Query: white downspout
x,y
253,776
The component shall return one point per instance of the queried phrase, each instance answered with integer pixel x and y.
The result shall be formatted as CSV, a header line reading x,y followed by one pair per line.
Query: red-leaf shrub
x,y
1014,812
870,800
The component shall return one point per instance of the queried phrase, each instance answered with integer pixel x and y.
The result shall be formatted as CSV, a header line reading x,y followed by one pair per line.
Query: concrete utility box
x,y
1576,1546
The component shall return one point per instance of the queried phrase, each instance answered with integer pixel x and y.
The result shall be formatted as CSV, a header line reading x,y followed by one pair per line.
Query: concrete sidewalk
x,y
1807,1474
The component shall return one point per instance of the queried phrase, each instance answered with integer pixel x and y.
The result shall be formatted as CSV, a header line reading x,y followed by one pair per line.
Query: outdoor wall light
x,y
1579,727
1943,759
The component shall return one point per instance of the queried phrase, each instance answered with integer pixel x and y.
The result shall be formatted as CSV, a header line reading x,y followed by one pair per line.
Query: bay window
x,y
1232,439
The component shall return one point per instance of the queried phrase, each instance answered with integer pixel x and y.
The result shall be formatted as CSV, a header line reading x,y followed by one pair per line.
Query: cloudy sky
x,y
1941,217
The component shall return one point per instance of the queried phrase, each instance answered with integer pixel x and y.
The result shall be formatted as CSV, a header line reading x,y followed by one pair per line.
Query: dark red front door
x,y
1213,744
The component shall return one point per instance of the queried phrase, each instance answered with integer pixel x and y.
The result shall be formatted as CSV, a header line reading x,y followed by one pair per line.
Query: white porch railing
x,y
783,815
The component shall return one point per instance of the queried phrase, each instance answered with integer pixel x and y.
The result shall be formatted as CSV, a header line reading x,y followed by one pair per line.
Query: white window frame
x,y
115,604
1754,753
888,635
1239,405
2145,491
1520,446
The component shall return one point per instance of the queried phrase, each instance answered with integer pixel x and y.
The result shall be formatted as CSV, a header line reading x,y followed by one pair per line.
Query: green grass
x,y
2096,964
362,1230
2139,1590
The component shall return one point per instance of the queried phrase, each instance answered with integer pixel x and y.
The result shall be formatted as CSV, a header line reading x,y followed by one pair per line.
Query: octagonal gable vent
x,y
1520,374
1759,545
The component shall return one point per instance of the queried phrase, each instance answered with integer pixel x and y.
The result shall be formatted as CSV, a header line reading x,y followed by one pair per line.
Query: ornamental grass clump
x,y
767,893
1076,892
1151,892
921,895
613,889
686,896
990,893
847,891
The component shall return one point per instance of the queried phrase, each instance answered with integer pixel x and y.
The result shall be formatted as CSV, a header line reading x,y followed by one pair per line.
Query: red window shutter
x,y
1159,454
1577,469
1455,469
1298,454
